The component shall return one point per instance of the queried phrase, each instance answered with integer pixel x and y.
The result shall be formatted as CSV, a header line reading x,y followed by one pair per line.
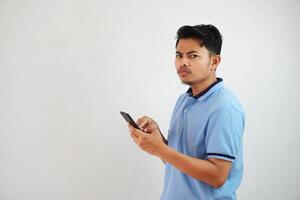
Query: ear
x,y
215,60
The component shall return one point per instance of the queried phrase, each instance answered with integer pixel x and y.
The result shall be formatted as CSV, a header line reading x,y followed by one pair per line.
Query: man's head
x,y
198,51
207,35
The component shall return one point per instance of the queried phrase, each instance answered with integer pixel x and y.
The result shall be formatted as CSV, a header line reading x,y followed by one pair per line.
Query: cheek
x,y
177,64
200,68
200,62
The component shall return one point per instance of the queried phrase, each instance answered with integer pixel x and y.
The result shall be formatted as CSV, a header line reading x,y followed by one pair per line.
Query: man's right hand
x,y
147,124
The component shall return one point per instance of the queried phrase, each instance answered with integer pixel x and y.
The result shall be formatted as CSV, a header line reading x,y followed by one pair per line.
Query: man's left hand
x,y
150,142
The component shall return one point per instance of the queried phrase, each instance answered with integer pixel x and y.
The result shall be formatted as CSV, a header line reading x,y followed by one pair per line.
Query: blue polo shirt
x,y
209,125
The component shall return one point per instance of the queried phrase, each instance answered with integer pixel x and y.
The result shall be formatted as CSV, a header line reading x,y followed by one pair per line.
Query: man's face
x,y
193,62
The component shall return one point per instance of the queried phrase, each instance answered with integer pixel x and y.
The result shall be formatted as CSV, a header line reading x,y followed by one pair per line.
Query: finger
x,y
140,120
132,134
135,131
150,127
144,122
135,138
132,131
136,141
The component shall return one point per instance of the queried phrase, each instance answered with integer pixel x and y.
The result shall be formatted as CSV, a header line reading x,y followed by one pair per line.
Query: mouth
x,y
183,72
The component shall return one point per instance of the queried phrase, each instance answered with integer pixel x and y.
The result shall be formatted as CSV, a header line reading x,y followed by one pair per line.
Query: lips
x,y
183,72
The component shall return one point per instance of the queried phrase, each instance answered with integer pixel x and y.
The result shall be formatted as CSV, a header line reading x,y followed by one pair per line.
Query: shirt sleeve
x,y
224,134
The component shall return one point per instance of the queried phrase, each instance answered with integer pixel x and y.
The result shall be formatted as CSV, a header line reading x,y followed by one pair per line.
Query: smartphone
x,y
129,120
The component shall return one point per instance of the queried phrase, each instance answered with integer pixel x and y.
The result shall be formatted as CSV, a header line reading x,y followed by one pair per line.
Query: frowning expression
x,y
194,63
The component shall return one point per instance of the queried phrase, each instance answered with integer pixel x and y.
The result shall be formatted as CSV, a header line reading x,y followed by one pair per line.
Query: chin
x,y
187,82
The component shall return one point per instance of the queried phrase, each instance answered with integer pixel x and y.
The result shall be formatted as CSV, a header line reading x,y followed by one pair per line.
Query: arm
x,y
212,171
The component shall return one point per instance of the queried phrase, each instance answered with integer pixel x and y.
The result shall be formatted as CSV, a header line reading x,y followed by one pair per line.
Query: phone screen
x,y
128,118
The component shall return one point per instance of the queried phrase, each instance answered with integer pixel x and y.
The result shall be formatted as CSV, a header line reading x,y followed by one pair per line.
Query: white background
x,y
68,67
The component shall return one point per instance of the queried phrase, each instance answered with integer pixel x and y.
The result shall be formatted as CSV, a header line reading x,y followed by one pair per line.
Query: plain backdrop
x,y
68,67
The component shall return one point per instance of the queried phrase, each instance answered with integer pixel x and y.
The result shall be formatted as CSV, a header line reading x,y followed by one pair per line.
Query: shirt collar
x,y
189,91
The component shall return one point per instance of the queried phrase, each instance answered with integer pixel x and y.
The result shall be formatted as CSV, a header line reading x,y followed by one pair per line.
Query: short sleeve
x,y
224,133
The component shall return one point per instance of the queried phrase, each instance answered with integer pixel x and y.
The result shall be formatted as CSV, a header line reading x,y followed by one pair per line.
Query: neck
x,y
201,86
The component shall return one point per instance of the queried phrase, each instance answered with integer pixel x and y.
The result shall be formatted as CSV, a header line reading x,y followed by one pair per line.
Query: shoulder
x,y
226,112
225,100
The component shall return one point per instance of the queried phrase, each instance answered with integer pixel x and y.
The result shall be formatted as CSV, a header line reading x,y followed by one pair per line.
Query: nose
x,y
185,62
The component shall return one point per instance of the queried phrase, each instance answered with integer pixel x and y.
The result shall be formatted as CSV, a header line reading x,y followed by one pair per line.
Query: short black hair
x,y
208,36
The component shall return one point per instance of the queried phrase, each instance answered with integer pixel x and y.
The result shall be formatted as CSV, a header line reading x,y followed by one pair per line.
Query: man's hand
x,y
147,124
151,139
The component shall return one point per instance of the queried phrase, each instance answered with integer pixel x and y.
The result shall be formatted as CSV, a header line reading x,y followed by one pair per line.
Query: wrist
x,y
164,151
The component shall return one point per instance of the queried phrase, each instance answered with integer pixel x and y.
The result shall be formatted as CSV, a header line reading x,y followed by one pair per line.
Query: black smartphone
x,y
129,120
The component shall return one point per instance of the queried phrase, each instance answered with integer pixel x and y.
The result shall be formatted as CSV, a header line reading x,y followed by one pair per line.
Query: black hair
x,y
208,36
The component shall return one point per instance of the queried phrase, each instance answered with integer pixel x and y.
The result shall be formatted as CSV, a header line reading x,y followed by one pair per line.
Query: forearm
x,y
203,170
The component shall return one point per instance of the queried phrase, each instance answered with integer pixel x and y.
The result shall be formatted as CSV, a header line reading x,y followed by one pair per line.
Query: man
x,y
203,153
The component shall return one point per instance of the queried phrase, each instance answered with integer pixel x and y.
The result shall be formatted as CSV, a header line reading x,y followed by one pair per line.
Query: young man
x,y
203,153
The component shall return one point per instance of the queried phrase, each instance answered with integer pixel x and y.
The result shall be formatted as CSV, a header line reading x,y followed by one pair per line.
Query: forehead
x,y
190,44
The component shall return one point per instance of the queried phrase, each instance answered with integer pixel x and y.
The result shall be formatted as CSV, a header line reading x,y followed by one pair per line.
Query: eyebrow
x,y
190,52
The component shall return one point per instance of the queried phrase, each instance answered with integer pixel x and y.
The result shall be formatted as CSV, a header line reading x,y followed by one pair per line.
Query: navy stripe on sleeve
x,y
222,155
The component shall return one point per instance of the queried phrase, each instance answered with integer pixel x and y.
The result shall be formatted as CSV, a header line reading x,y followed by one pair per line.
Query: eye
x,y
178,56
193,56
